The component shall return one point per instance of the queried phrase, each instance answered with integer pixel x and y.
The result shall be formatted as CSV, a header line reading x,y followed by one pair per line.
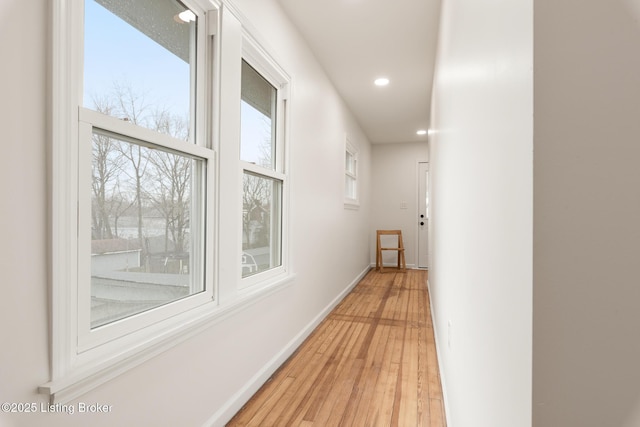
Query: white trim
x,y
238,399
263,278
395,265
261,171
145,137
257,57
82,381
83,289
64,157
213,22
251,34
439,355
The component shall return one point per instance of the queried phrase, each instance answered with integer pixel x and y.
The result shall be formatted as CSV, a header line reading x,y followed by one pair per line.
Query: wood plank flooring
x,y
371,362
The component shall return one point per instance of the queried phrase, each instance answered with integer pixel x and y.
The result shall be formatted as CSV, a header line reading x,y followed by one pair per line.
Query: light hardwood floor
x,y
371,362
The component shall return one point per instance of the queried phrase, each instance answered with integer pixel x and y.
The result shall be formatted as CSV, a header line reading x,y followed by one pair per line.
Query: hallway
x,y
372,361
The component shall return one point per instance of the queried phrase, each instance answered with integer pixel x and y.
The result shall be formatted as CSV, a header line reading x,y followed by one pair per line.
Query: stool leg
x,y
378,252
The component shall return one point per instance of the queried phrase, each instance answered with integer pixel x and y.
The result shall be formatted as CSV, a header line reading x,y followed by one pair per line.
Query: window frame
x,y
352,151
256,57
81,361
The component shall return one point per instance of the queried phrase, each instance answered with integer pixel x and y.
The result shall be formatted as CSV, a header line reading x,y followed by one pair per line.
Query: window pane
x,y
350,187
146,244
258,117
350,162
139,62
261,224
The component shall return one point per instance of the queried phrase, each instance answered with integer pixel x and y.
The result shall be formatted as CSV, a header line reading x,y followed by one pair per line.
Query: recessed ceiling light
x,y
421,132
382,81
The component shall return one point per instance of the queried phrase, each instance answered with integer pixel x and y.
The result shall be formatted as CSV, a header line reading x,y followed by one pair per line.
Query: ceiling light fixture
x,y
421,132
185,17
382,81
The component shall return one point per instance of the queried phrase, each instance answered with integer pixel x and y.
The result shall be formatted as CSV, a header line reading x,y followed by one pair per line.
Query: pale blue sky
x,y
115,52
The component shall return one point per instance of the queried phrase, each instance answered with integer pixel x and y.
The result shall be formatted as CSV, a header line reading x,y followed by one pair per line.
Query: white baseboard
x,y
242,396
439,354
394,265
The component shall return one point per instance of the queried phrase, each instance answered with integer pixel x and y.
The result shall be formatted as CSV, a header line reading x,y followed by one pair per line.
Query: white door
x,y
423,215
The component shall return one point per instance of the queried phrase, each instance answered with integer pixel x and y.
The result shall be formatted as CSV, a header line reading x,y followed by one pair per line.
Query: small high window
x,y
350,175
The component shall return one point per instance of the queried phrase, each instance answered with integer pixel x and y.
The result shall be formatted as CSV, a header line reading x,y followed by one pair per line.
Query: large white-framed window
x,y
264,93
132,193
351,199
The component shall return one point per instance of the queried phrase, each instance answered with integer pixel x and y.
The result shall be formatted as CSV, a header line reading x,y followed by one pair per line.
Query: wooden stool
x,y
400,248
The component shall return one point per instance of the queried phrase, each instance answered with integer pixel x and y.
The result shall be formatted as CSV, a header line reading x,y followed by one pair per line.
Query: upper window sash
x,y
120,65
259,117
268,69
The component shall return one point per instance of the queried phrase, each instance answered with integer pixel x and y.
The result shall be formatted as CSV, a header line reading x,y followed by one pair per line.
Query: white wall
x,y
395,181
23,215
209,376
587,214
481,225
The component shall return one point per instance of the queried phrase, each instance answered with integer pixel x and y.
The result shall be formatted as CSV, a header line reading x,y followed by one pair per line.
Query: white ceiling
x,y
357,41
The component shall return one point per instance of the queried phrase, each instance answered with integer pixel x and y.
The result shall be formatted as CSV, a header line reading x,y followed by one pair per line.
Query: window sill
x,y
90,376
351,204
